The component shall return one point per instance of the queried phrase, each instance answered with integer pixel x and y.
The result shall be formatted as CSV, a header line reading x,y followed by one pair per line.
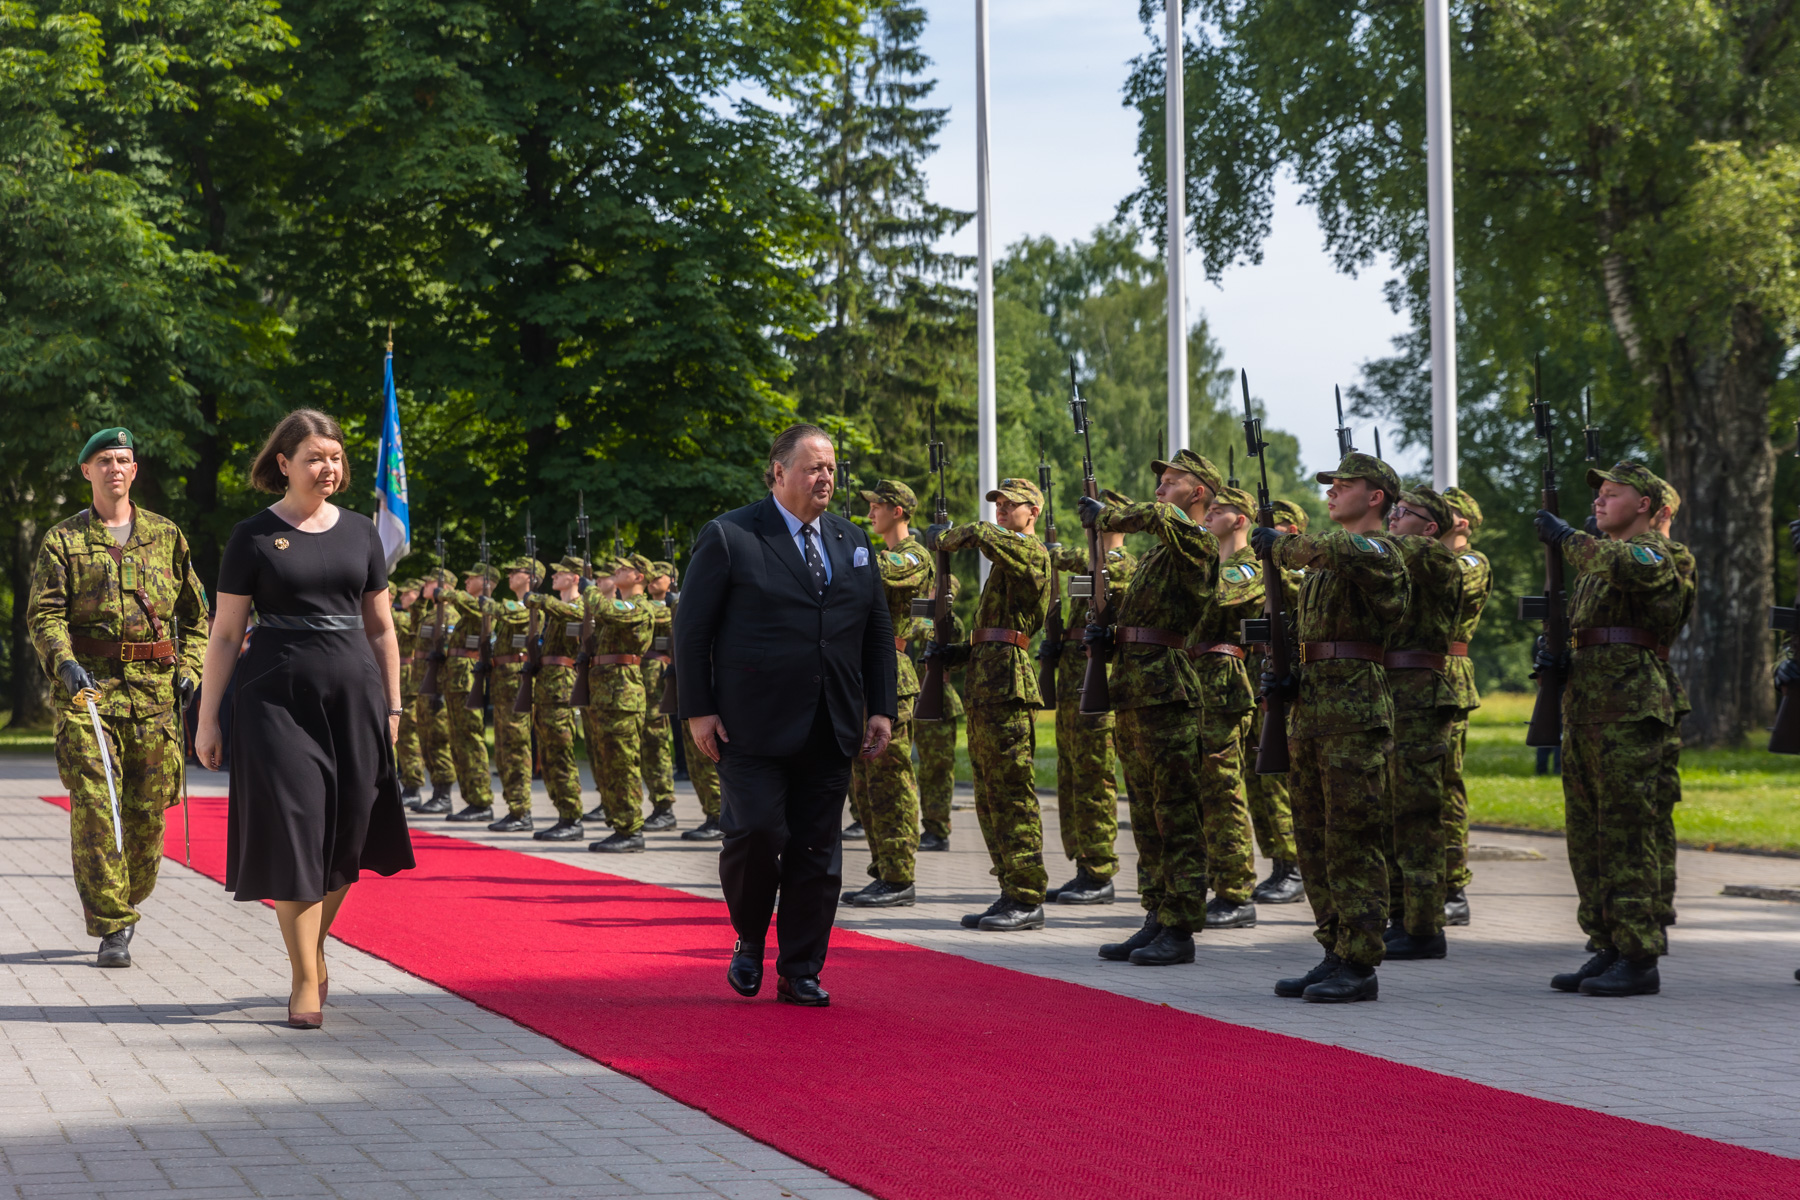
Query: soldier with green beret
x,y
511,633
1477,583
1341,724
1622,710
1426,704
937,739
474,609
557,622
623,629
118,619
1003,696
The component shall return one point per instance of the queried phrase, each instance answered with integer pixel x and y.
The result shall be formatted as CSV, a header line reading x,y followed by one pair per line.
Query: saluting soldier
x,y
407,754
623,630
474,609
552,694
108,589
1341,726
431,716
1271,815
937,740
1622,710
1003,696
1425,708
512,731
656,749
1477,583
1155,691
884,791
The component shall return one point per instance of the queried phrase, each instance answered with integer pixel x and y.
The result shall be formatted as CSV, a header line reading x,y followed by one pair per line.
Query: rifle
x,y
1231,479
670,704
428,686
533,651
1096,697
930,704
578,697
1345,444
484,665
843,485
1552,607
1590,434
1050,649
1272,629
1377,441
1784,735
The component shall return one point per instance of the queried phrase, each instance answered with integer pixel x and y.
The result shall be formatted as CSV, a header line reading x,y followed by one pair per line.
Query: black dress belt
x,y
325,622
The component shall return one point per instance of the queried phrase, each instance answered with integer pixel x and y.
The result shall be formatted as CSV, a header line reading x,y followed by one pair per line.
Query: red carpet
x,y
938,1078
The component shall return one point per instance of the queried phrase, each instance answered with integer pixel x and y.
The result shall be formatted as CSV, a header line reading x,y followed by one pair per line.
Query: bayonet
x,y
1345,445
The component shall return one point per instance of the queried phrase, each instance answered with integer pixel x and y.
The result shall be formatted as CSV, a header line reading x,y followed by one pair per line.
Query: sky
x,y
1063,156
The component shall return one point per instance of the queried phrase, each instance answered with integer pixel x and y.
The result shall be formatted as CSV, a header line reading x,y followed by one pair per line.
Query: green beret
x,y
115,438
1195,465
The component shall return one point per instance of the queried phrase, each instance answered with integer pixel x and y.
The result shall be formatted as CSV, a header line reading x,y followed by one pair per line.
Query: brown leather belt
x,y
1415,660
1324,651
1011,637
1142,635
1621,635
463,653
900,644
122,651
1459,649
557,660
615,660
509,658
1230,648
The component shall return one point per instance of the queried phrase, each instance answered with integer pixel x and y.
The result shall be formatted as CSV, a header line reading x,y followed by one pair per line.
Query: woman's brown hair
x,y
296,427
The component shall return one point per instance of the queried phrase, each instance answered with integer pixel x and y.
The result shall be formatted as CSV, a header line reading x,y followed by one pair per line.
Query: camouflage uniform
x,y
615,711
1087,765
703,773
1340,729
1477,583
1271,813
1668,778
937,740
1227,709
559,625
407,755
1155,691
656,746
1003,694
84,585
1426,704
456,679
884,792
512,731
432,716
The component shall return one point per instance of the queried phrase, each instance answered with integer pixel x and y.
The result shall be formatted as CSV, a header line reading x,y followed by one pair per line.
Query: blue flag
x,y
393,519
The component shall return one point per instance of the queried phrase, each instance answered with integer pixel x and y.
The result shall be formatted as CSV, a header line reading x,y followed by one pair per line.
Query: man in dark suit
x,y
784,654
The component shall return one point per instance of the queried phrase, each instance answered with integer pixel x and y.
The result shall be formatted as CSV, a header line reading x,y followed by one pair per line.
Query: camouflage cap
x,y
116,437
404,585
662,567
527,564
891,491
1116,499
1239,499
485,570
1019,491
440,576
1430,505
1635,475
1671,497
1289,513
568,563
638,563
1200,468
1463,505
1357,465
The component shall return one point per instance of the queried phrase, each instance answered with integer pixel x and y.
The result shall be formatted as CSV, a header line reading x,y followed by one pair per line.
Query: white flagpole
x,y
1176,141
987,453
1441,243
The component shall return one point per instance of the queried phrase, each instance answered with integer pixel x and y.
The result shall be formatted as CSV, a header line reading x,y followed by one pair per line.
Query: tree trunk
x,y
1712,419
30,686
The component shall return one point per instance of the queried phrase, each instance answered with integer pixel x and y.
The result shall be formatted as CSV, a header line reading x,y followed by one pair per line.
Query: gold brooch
x,y
281,543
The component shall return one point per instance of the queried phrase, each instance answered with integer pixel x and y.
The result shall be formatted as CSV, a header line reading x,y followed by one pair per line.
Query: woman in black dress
x,y
314,795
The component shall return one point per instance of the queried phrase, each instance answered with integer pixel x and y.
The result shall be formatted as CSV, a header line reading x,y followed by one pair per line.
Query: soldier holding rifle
x,y
467,651
407,755
512,728
1477,582
558,618
656,748
1271,814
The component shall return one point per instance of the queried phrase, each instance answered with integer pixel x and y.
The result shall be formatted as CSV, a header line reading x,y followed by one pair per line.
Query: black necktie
x,y
813,561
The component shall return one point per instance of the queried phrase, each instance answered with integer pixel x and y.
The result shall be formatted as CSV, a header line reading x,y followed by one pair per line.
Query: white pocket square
x,y
861,557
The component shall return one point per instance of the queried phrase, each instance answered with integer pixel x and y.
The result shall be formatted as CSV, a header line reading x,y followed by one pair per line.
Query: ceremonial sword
x,y
87,696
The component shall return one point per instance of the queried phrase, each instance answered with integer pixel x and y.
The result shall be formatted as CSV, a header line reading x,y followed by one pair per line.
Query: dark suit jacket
x,y
757,648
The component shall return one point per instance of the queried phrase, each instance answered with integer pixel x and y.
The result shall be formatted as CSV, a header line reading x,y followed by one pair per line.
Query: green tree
x,y
1625,180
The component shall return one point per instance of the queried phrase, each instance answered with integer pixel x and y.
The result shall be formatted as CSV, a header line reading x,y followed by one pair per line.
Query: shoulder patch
x,y
623,605
1249,570
1367,545
1469,560
911,558
897,559
1645,555
1232,575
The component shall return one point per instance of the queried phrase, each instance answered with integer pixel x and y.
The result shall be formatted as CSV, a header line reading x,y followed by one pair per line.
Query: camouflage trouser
x,y
1224,806
468,749
1619,807
885,794
1270,814
556,741
612,741
147,761
408,757
703,773
512,744
1087,793
1456,808
1339,785
1161,748
1002,743
937,773
656,750
433,723
1415,853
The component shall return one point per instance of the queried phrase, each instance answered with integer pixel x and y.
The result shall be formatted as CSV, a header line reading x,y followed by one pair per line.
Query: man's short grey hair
x,y
787,443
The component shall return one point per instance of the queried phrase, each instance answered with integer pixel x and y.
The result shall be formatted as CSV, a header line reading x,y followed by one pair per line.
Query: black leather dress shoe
x,y
1456,907
1571,981
1169,948
1410,947
661,817
1394,932
1283,886
562,831
472,814
1296,987
1086,889
619,843
1223,914
1345,985
804,991
882,894
1012,917
437,805
931,842
854,832
1121,951
115,949
706,831
745,972
974,920
1626,977
850,894
511,824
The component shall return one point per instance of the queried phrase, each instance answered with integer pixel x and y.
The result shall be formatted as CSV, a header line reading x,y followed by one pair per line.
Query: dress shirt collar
x,y
794,523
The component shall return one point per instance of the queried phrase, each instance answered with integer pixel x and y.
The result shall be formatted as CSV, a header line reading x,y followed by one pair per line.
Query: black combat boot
x,y
1456,907
974,920
1013,916
1394,931
562,831
1283,886
1223,914
115,949
706,831
619,843
1410,947
472,813
1345,985
932,842
1571,981
438,805
854,832
409,797
1085,889
596,813
662,816
512,824
1167,949
1296,986
1626,977
1122,951
882,894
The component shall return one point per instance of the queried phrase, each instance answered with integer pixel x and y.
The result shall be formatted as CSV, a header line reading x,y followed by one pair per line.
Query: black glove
x,y
582,585
479,667
184,691
74,676
437,656
932,650
1098,639
1545,659
932,534
1263,539
1552,530
1794,534
1284,687
1591,526
1089,510
1787,673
